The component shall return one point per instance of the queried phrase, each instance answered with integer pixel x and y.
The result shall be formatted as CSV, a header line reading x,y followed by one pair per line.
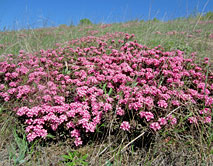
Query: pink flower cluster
x,y
125,125
75,86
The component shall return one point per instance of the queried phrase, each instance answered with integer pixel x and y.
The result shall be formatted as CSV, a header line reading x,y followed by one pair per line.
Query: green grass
x,y
169,147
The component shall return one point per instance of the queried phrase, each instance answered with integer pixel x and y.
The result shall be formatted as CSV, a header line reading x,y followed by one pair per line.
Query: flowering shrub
x,y
73,87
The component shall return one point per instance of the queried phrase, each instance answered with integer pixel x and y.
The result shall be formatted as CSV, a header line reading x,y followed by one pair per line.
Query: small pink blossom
x,y
192,120
107,107
14,75
47,98
2,86
120,111
162,103
162,121
207,119
175,102
70,125
22,111
59,99
147,115
75,133
155,126
31,136
125,126
12,90
78,141
172,119
13,84
205,111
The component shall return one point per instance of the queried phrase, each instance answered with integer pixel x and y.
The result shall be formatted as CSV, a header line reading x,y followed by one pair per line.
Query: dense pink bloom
x,y
41,87
125,126
175,102
82,91
47,98
22,70
31,136
162,121
35,131
147,115
78,141
162,103
2,86
14,75
70,125
13,84
107,107
23,90
192,120
75,133
103,79
205,111
22,111
120,111
12,90
34,111
59,99
207,120
155,126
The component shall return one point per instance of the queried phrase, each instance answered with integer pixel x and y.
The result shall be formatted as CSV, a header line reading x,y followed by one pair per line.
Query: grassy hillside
x,y
171,130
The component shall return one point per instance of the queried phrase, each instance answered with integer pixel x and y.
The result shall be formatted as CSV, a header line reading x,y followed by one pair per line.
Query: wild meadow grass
x,y
134,93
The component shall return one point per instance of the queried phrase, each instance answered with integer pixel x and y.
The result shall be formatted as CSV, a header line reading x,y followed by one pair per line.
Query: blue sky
x,y
18,14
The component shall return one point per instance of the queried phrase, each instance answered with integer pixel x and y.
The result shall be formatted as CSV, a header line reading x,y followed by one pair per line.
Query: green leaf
x,y
110,91
85,157
104,87
50,136
84,162
108,163
66,157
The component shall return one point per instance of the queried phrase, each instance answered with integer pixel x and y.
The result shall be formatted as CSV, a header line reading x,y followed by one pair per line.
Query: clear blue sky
x,y
17,14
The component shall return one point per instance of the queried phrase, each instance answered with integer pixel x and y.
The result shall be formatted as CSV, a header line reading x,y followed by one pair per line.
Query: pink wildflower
x,y
14,75
11,91
59,99
2,86
205,111
125,126
70,125
31,136
162,103
172,119
120,111
78,141
13,84
147,115
192,120
175,102
107,107
47,98
207,119
155,126
22,111
75,133
162,121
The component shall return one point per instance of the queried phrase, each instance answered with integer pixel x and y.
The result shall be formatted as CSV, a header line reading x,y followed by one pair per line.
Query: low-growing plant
x,y
75,158
18,150
44,82
108,83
